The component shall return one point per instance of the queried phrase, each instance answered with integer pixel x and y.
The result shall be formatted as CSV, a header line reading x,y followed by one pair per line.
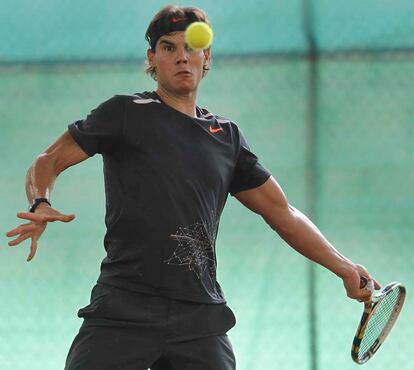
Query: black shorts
x,y
133,331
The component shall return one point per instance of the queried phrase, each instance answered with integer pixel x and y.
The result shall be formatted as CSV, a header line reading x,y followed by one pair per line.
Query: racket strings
x,y
381,318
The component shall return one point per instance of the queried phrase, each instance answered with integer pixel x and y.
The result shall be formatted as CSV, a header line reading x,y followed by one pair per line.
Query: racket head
x,y
377,320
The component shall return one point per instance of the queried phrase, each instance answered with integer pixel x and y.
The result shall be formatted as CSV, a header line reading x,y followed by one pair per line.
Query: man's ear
x,y
150,57
207,56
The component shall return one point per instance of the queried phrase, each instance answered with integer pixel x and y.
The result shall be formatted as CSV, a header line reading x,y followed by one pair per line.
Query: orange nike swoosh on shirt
x,y
214,130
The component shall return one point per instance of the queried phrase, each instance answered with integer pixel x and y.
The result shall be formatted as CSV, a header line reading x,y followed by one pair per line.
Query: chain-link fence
x,y
323,92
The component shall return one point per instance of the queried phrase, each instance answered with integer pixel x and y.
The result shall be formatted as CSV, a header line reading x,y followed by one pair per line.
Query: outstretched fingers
x,y
21,238
39,217
63,218
21,229
35,228
31,216
33,249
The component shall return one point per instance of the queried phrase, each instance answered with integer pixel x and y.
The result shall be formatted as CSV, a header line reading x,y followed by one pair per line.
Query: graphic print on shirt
x,y
195,249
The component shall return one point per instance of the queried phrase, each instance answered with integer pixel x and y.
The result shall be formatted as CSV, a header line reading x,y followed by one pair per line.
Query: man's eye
x,y
168,48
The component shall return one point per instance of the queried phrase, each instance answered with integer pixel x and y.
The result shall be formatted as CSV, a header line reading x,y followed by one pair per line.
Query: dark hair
x,y
172,18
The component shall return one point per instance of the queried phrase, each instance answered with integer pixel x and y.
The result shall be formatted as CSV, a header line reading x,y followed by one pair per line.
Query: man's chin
x,y
185,88
180,87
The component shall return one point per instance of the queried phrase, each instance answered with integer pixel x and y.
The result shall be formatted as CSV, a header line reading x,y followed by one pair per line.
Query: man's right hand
x,y
34,229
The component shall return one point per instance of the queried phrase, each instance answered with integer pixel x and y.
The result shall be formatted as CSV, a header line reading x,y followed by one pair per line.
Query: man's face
x,y
179,68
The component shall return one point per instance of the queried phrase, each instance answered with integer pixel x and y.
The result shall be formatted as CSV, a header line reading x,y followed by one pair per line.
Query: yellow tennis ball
x,y
199,35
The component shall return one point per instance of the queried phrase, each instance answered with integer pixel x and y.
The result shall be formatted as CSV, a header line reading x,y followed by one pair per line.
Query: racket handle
x,y
365,284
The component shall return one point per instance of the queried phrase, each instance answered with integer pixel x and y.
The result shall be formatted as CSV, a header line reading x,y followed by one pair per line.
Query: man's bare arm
x,y
40,179
269,201
41,176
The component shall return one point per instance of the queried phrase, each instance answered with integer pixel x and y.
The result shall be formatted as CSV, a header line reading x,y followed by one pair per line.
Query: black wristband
x,y
37,202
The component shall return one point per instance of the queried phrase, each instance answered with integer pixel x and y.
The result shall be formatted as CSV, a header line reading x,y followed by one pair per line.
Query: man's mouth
x,y
180,73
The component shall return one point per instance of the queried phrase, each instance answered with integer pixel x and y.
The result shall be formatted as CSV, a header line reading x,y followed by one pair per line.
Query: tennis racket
x,y
377,320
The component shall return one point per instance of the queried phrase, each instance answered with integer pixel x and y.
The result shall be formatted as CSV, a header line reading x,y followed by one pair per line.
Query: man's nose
x,y
182,55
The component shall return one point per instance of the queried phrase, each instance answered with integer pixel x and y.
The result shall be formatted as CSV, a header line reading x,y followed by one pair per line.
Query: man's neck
x,y
183,103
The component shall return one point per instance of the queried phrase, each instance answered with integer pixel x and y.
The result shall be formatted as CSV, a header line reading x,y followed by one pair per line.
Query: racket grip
x,y
366,284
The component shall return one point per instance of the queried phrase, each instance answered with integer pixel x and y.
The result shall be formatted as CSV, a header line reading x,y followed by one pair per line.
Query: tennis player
x,y
169,166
